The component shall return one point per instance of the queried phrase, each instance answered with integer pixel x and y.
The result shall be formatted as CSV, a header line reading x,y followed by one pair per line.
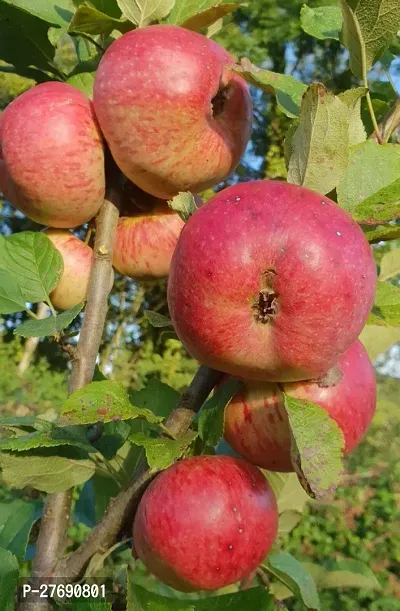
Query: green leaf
x,y
383,206
16,520
24,42
84,82
30,268
257,599
184,204
317,447
371,177
211,419
291,498
89,20
288,491
208,16
113,438
294,575
368,28
323,22
110,7
352,99
162,452
158,320
9,573
52,325
45,471
199,14
390,265
377,339
40,434
386,309
215,27
143,12
288,90
65,56
345,574
57,13
157,397
381,233
101,402
319,147
386,59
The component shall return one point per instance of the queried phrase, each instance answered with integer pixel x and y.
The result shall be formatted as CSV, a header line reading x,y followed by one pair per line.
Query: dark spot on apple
x,y
234,509
230,547
267,305
217,568
240,530
218,101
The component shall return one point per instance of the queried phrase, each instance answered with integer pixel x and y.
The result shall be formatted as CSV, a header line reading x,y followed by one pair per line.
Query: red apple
x,y
147,234
175,116
205,522
256,424
78,258
52,166
270,281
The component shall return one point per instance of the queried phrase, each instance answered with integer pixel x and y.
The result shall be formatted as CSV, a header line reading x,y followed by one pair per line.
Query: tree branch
x,y
121,509
97,305
50,544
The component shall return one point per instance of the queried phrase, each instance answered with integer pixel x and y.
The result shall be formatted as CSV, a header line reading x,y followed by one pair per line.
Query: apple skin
x,y
78,260
144,243
147,234
205,522
256,424
153,96
270,281
52,157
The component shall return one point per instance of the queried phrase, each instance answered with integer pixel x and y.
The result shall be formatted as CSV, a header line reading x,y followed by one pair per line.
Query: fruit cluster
x,y
268,282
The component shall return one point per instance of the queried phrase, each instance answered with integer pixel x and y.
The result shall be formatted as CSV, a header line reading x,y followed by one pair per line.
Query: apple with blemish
x,y
256,423
270,281
51,156
205,523
147,234
174,114
78,259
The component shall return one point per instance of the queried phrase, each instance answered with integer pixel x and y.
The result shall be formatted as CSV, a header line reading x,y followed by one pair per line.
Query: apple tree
x,y
132,119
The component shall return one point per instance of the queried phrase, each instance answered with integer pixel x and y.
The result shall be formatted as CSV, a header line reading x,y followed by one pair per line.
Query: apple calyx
x,y
266,306
218,101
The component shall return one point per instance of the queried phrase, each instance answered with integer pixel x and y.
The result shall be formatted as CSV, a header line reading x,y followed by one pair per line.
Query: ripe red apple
x,y
175,116
147,234
52,166
270,281
256,424
205,522
78,259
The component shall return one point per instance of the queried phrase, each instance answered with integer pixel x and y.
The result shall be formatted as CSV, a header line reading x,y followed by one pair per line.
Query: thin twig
x,y
50,544
122,508
389,123
377,134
